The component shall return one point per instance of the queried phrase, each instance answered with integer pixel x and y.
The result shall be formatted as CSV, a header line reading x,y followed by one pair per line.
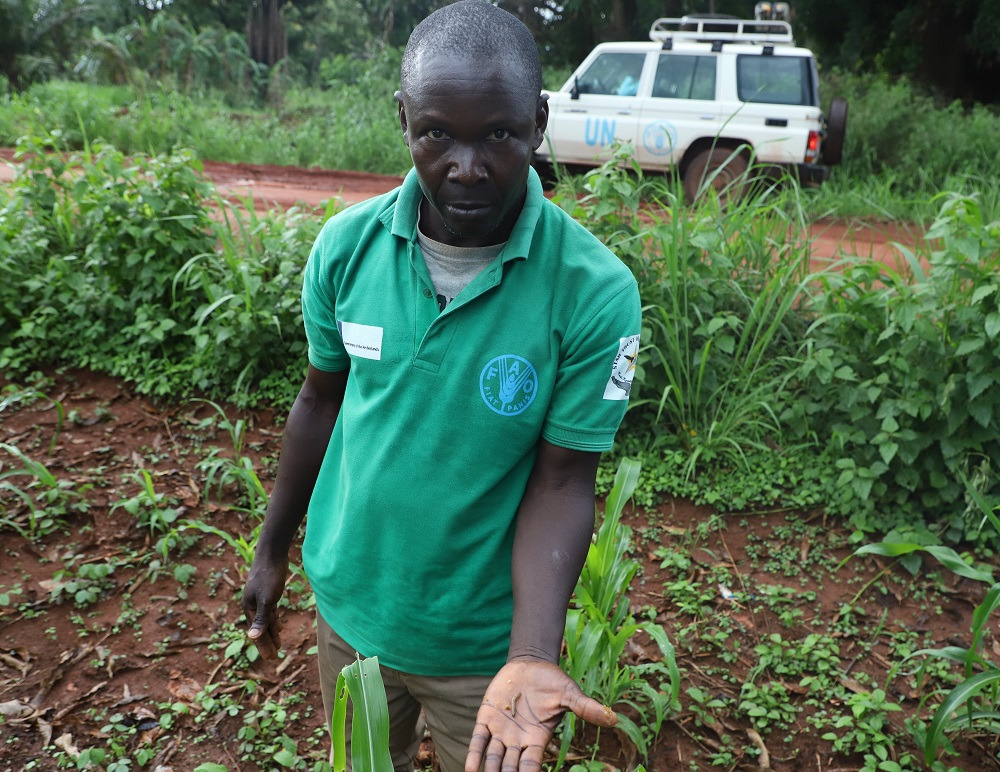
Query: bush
x,y
901,374
123,267
897,129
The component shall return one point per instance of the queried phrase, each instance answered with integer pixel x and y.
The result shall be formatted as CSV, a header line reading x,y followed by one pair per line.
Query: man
x,y
468,347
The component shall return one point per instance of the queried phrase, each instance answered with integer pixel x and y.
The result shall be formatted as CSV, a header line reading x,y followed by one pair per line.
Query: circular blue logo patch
x,y
508,384
660,138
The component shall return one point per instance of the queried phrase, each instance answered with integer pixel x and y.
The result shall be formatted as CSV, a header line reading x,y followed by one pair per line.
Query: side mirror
x,y
574,93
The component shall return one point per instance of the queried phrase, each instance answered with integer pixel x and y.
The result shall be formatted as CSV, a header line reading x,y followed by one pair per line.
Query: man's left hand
x,y
522,707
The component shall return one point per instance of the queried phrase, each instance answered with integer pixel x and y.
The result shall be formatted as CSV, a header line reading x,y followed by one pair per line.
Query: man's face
x,y
471,128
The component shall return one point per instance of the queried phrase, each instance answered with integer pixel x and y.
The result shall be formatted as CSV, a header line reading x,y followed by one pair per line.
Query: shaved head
x,y
474,30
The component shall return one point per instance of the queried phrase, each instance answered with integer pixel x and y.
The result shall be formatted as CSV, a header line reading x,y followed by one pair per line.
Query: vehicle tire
x,y
836,132
718,170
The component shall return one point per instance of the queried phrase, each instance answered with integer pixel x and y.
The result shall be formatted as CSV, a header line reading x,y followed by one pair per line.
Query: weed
x,y
44,500
156,512
86,585
30,395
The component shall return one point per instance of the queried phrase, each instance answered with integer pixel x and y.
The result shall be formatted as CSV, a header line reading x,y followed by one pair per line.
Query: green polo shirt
x,y
411,523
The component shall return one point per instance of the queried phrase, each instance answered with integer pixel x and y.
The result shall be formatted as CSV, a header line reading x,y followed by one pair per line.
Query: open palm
x,y
522,707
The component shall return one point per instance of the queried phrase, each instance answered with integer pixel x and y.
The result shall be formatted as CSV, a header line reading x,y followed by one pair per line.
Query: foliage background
x,y
952,48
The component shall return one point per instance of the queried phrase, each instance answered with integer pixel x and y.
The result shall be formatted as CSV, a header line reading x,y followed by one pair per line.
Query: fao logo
x,y
660,138
508,384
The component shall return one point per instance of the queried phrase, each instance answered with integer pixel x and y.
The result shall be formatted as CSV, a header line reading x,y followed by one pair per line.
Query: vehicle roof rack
x,y
706,30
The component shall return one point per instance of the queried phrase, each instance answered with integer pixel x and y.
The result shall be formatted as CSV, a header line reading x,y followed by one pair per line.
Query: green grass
x,y
349,128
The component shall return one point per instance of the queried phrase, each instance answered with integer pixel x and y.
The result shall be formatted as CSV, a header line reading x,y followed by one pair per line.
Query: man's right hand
x,y
264,587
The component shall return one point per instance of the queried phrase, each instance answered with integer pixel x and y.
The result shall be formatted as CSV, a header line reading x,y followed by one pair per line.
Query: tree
x,y
36,37
952,47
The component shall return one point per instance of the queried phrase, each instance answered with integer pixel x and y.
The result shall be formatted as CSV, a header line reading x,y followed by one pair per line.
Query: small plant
x,y
768,705
361,682
85,586
243,547
44,500
31,394
263,737
156,512
866,729
600,624
239,650
7,594
976,699
221,471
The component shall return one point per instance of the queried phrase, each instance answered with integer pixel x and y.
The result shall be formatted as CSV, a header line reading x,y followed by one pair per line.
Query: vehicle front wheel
x,y
720,171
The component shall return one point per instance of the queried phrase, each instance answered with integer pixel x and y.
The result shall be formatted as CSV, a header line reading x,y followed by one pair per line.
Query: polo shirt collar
x,y
401,219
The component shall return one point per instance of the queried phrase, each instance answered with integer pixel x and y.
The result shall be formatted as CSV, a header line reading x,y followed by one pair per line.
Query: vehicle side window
x,y
685,77
776,80
613,74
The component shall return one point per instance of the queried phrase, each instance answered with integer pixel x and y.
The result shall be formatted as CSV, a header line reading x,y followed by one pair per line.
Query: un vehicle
x,y
706,97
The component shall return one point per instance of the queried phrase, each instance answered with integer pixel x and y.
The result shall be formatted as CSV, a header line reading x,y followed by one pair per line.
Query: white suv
x,y
706,96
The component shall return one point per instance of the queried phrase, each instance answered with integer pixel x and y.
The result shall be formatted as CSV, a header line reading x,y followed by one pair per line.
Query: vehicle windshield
x,y
776,80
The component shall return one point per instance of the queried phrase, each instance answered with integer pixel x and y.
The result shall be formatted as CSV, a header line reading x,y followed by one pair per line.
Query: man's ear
x,y
541,120
402,115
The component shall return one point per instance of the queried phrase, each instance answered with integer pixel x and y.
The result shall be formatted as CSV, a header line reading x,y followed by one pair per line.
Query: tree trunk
x,y
266,34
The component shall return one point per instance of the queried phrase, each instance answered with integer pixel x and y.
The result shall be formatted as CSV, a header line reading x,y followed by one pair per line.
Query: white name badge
x,y
361,340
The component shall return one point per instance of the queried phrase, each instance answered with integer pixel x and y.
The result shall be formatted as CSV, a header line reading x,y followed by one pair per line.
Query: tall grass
x,y
719,290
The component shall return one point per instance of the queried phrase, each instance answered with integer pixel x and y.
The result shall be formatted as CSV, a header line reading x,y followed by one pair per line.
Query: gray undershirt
x,y
452,268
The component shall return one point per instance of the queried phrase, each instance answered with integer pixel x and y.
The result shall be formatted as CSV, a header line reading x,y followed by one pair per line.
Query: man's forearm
x,y
554,528
304,443
549,553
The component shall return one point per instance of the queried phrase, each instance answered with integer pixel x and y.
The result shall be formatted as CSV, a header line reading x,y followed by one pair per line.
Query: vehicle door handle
x,y
775,121
577,111
624,112
708,117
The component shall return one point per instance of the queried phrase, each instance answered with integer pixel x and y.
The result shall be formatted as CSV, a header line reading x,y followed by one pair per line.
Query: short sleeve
x,y
595,375
319,309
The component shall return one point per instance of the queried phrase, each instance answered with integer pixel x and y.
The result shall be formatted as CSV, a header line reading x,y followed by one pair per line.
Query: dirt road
x,y
287,186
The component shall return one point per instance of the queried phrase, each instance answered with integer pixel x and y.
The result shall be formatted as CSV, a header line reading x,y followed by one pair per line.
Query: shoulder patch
x,y
623,369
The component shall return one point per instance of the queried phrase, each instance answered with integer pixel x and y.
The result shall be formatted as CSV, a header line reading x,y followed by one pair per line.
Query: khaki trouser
x,y
449,703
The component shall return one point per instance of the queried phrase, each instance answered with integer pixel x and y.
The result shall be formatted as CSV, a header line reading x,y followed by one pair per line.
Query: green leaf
x,y
285,757
208,766
958,697
980,617
993,324
888,451
890,425
977,383
945,555
982,411
370,722
969,345
954,563
981,292
338,722
862,487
